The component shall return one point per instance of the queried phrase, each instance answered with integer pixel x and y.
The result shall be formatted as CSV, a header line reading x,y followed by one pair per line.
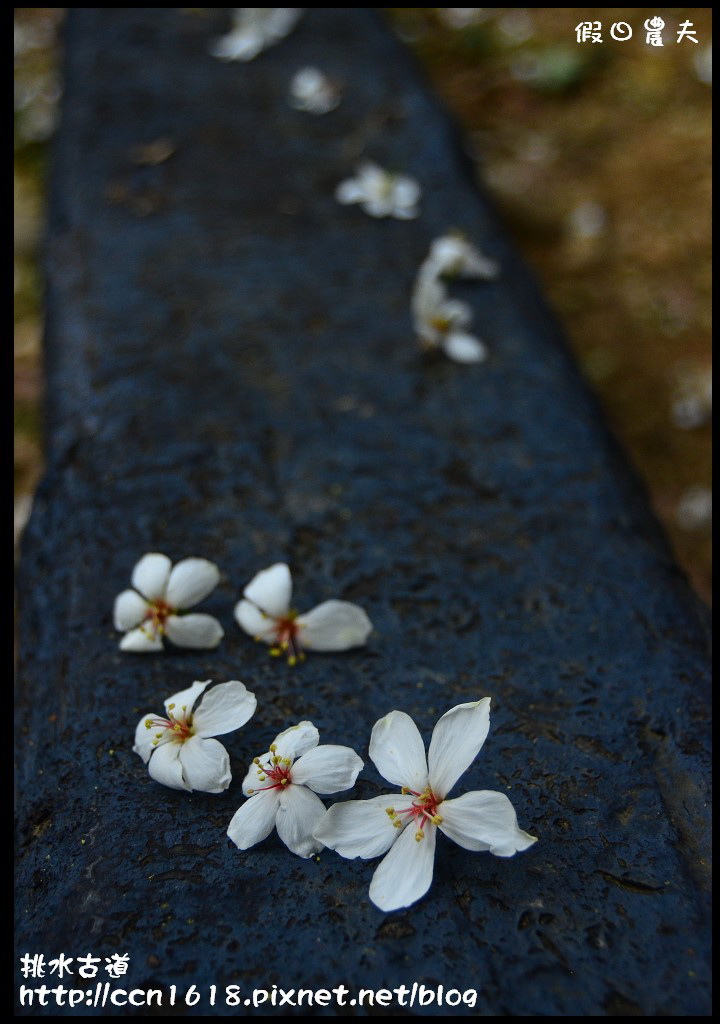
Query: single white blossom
x,y
452,255
313,92
156,607
282,788
178,748
265,613
254,30
380,193
407,824
441,322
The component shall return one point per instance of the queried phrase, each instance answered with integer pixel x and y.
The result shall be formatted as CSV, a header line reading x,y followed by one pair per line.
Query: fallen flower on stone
x,y
440,322
178,748
381,193
452,255
254,30
265,613
156,607
406,824
282,788
313,92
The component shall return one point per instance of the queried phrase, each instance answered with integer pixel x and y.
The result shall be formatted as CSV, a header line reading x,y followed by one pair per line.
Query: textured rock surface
x,y
233,374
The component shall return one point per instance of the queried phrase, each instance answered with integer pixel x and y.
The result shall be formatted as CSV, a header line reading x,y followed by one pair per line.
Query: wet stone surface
x,y
233,374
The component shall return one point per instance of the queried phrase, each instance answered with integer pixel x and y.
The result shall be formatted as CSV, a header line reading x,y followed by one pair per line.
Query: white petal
x,y
255,820
237,45
181,703
327,769
145,738
190,581
428,294
334,626
484,820
297,740
271,590
406,192
406,872
130,609
359,828
458,313
378,207
141,641
194,630
464,348
225,708
164,766
350,191
299,813
456,740
406,212
397,749
150,576
205,765
249,617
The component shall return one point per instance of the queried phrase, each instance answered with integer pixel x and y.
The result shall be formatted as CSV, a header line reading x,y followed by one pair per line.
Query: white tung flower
x,y
156,607
313,92
407,824
441,322
452,255
265,613
254,30
380,193
178,748
282,787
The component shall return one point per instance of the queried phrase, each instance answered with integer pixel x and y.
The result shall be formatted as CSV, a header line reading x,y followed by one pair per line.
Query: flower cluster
x,y
156,609
283,786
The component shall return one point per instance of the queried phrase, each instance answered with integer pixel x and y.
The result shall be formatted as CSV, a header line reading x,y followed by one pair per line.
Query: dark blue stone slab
x,y
232,373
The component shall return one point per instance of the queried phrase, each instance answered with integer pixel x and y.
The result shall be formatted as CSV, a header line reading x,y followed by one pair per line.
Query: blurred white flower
x,y
155,608
381,193
440,322
461,17
694,510
178,748
313,92
692,404
587,220
265,613
702,61
254,30
282,788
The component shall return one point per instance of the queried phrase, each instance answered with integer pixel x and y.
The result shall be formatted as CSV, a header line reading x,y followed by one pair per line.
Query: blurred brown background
x,y
598,156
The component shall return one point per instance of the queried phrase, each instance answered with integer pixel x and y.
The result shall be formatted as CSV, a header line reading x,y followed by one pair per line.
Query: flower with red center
x,y
265,613
177,747
407,824
282,787
156,608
